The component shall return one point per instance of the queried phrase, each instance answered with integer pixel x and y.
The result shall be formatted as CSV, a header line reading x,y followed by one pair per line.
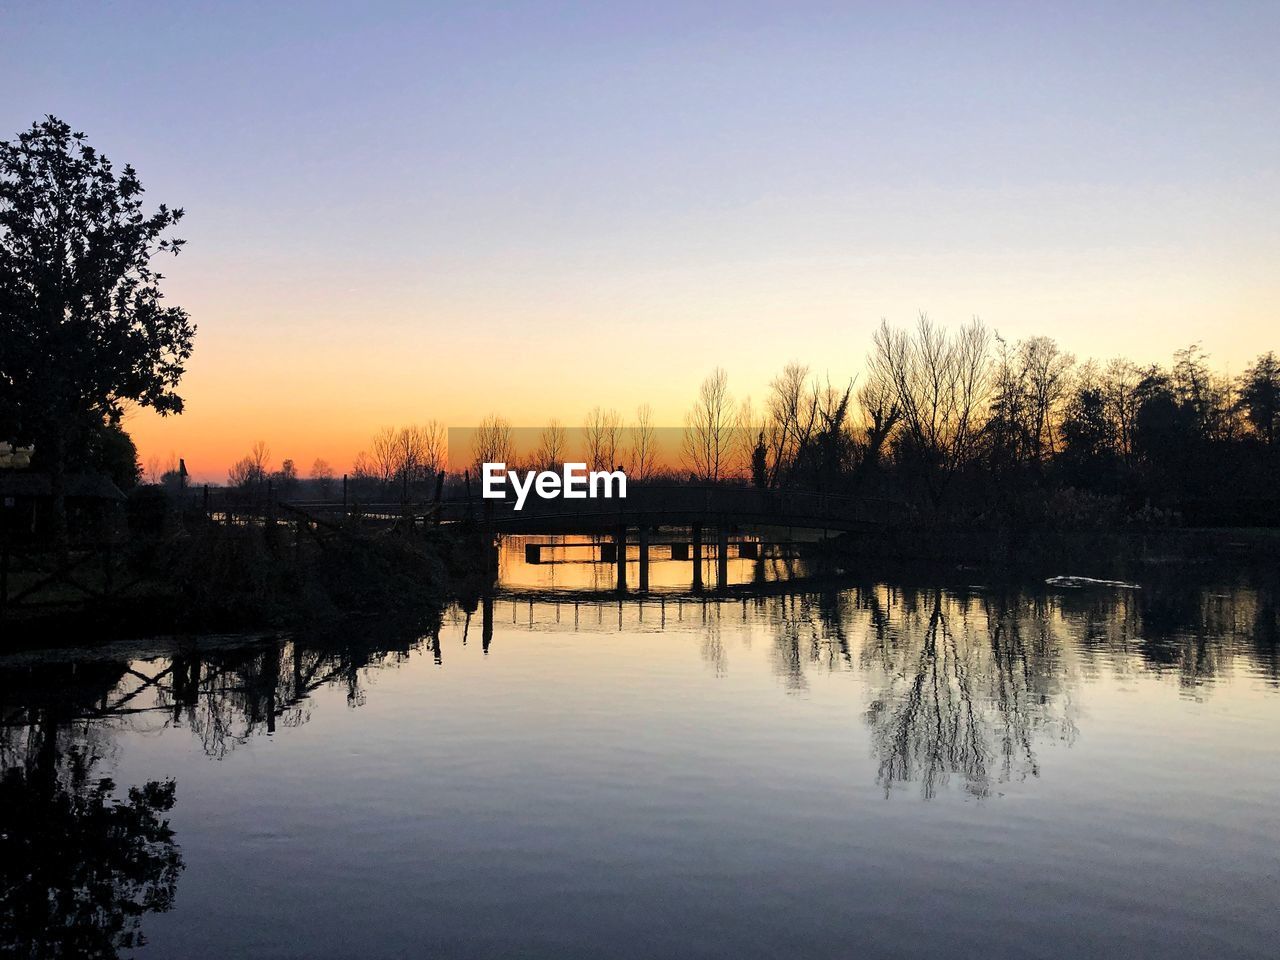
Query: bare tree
x,y
644,454
878,401
1048,380
386,454
493,442
791,416
363,468
708,430
1120,383
322,474
551,446
418,452
602,431
251,470
748,425
942,383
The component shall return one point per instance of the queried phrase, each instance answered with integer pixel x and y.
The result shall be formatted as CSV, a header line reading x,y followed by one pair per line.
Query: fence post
x,y
106,566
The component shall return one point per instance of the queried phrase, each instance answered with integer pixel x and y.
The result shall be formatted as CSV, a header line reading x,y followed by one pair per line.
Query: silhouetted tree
x,y
760,463
1089,443
112,452
708,431
252,470
1260,397
942,385
551,446
286,478
83,325
602,433
792,416
877,400
322,474
644,453
493,442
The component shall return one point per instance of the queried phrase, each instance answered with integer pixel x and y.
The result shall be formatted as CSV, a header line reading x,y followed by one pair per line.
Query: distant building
x,y
94,503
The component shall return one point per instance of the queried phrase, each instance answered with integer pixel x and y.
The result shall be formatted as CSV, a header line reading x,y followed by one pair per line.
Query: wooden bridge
x,y
715,513
646,505
684,506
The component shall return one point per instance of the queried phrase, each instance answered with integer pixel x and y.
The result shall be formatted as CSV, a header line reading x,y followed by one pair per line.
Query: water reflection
x,y
965,690
959,689
670,563
79,865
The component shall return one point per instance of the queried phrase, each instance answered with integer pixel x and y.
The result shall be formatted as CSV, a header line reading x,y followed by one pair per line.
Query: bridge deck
x,y
649,505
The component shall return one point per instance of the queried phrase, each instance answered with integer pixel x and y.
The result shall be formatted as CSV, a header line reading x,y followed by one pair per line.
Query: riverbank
x,y
1031,553
224,577
217,577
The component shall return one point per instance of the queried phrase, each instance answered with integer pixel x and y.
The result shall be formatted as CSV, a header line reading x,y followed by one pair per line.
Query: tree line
x,y
964,421
955,420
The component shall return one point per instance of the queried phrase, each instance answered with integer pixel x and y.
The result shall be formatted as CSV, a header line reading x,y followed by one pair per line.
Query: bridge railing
x,y
661,502
692,502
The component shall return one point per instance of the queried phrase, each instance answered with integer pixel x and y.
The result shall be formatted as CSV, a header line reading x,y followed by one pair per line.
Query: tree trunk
x,y
58,489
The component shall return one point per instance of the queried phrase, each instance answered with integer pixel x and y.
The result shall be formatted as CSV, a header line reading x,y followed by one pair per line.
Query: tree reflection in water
x,y
966,683
79,866
964,692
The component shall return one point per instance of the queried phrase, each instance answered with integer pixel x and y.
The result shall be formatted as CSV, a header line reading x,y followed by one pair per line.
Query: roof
x,y
29,483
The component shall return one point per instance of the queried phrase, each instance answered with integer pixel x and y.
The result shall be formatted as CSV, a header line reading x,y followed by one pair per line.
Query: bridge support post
x,y
697,556
486,620
722,556
644,558
620,549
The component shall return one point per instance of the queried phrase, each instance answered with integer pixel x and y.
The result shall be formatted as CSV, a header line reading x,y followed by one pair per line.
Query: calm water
x,y
864,769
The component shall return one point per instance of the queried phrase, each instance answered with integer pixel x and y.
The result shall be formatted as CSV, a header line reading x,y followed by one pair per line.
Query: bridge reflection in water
x,y
672,561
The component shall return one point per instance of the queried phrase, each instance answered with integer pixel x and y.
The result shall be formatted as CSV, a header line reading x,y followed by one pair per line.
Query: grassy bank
x,y
216,577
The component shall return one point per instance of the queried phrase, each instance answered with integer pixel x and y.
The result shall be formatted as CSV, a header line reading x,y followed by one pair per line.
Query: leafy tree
x,y
114,454
1260,397
1088,459
83,325
286,478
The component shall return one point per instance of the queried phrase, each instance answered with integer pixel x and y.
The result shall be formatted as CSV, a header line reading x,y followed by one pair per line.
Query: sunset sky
x,y
404,211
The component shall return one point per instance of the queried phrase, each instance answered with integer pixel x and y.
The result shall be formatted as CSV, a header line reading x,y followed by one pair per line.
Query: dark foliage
x,y
84,328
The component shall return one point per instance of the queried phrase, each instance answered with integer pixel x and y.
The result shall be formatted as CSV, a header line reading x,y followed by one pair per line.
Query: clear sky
x,y
399,211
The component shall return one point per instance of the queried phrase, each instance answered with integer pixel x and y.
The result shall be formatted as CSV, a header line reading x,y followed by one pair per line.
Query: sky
x,y
405,211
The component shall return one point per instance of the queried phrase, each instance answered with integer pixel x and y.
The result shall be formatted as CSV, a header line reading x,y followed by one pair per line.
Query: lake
x,y
790,766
